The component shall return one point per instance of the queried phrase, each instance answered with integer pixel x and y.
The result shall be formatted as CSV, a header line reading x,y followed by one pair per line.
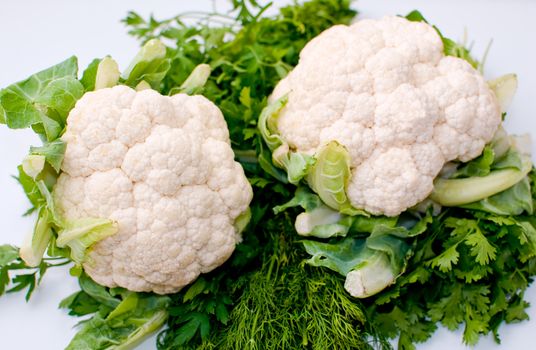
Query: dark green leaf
x,y
21,282
97,292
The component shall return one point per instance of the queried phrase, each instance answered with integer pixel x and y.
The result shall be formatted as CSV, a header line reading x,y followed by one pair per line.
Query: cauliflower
x,y
163,170
385,91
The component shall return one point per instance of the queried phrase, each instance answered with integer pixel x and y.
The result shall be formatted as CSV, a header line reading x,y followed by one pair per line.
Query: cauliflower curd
x,y
385,90
163,169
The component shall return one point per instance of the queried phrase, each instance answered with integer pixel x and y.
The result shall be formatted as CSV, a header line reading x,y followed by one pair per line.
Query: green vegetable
x,y
513,201
470,270
43,100
371,263
195,81
121,321
149,65
53,153
368,271
26,277
480,166
89,76
281,304
33,164
318,220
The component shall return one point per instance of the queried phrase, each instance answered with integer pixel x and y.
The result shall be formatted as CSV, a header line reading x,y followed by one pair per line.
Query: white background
x,y
37,34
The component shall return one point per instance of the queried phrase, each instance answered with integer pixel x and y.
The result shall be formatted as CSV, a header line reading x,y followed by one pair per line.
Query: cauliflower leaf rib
x,y
457,192
501,175
505,88
80,235
37,241
195,82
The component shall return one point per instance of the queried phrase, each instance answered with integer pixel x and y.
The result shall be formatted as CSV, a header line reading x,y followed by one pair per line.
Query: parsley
x,y
475,267
15,273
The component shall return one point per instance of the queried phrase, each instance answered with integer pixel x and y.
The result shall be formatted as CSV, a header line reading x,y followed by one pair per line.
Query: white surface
x,y
37,34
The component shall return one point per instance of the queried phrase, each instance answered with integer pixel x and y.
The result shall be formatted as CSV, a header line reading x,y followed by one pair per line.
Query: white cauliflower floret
x,y
163,169
385,90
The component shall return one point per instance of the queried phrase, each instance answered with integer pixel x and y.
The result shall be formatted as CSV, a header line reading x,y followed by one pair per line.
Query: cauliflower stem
x,y
457,192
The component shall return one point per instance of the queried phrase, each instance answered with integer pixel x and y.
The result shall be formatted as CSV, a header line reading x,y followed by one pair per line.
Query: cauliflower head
x,y
163,169
385,90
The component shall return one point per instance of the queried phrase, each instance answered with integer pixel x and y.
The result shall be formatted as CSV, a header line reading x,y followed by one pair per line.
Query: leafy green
x,y
296,165
149,65
377,259
43,100
30,189
33,165
89,76
280,304
8,254
25,277
107,74
318,220
469,270
121,319
481,166
32,251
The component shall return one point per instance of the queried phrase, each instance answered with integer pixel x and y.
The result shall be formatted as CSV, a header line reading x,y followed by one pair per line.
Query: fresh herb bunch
x,y
471,270
275,302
